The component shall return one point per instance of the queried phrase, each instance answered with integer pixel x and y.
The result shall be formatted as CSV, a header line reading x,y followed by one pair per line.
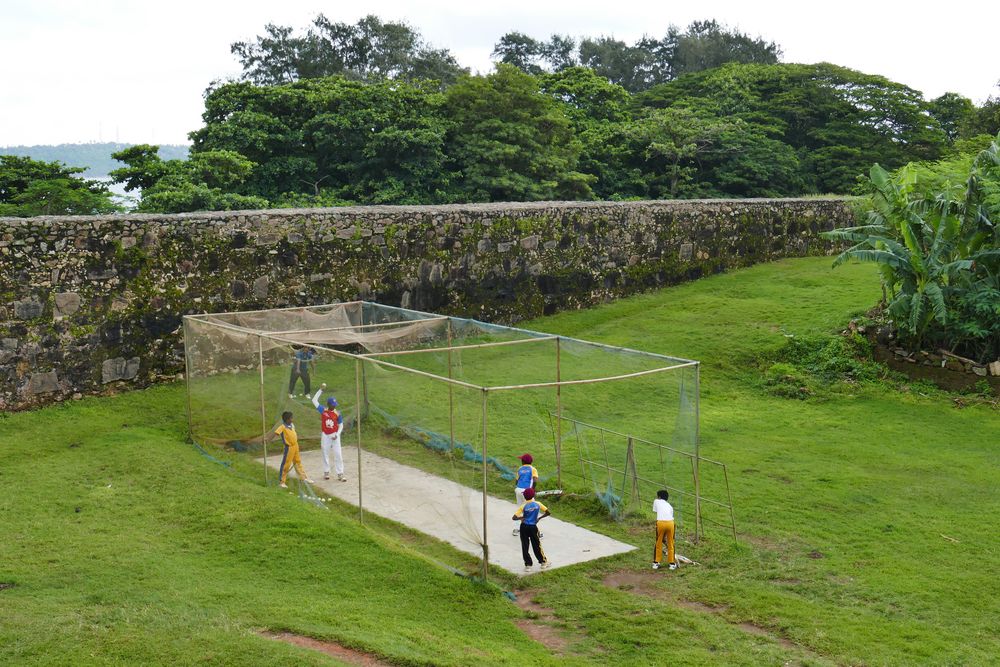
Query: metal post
x,y
263,407
187,378
558,417
486,545
697,454
358,369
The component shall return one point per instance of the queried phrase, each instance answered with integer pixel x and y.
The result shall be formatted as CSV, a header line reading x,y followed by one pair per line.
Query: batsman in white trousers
x,y
331,425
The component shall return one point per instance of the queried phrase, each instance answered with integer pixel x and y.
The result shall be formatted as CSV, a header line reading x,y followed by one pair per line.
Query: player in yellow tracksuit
x,y
291,455
664,530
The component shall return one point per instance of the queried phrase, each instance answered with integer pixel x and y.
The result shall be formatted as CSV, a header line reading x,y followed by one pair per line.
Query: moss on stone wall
x,y
88,304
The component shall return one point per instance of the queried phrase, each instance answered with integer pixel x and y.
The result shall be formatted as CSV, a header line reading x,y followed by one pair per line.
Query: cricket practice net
x,y
458,398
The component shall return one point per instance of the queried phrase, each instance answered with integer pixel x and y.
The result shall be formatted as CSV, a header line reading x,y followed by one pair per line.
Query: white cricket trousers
x,y
519,495
327,442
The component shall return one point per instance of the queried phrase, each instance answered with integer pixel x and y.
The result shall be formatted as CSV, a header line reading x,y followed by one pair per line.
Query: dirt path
x,y
541,626
333,649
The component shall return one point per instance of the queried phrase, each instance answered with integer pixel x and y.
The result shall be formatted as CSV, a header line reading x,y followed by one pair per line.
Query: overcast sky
x,y
134,71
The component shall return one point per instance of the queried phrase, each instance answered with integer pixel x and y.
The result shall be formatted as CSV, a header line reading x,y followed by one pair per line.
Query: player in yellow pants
x,y
664,530
291,456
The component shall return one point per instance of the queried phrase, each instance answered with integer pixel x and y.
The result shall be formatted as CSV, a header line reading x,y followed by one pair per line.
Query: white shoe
x,y
307,480
545,565
656,566
527,568
341,478
326,475
672,566
283,485
291,396
516,532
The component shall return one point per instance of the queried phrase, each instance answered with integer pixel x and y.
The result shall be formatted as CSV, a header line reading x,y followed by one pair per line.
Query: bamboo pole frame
x,y
283,337
486,541
263,405
451,347
357,427
187,384
609,378
558,415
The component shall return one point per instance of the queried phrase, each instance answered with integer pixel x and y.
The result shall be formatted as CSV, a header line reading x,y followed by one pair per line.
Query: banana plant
x,y
930,244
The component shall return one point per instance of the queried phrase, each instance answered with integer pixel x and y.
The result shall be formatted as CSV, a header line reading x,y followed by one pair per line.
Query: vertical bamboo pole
x,y
358,369
697,453
451,398
263,407
732,513
187,378
486,544
364,388
558,417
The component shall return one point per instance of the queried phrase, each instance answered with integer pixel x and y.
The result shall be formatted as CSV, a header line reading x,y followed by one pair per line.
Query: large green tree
x,y
207,181
31,187
333,140
838,120
647,62
509,141
369,49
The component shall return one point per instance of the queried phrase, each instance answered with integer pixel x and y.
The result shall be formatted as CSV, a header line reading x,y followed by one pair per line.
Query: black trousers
x,y
299,371
529,534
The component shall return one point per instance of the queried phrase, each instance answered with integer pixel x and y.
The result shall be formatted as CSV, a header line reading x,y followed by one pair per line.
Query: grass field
x,y
866,515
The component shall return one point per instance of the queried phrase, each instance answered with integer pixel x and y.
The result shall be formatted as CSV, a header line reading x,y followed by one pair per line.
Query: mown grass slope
x,y
866,518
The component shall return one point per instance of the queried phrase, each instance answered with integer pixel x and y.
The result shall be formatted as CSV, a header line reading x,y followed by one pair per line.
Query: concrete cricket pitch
x,y
452,512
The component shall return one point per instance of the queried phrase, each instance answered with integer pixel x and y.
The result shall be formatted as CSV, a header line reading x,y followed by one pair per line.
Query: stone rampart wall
x,y
89,304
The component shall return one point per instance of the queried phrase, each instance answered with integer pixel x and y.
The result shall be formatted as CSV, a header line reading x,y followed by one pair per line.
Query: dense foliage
x,y
369,113
205,182
32,187
934,232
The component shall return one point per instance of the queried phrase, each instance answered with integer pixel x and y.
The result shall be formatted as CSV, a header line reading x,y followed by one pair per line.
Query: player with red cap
x,y
525,478
529,514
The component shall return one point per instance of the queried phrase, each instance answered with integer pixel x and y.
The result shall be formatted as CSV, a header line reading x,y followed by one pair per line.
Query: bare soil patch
x,y
333,649
4,585
541,627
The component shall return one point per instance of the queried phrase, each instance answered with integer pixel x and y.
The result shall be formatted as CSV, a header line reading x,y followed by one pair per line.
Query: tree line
x,y
370,113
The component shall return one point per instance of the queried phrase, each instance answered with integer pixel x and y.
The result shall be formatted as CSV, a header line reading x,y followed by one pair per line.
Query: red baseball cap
x,y
525,458
529,494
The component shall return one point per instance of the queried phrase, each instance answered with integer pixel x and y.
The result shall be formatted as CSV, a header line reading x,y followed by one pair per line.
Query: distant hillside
x,y
95,157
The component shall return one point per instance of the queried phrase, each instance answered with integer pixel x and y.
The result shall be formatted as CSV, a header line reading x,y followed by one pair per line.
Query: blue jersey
x,y
301,356
531,510
525,475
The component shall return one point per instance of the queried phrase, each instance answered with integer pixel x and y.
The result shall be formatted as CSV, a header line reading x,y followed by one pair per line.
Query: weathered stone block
x,y
43,383
529,242
67,303
260,286
28,310
119,368
687,250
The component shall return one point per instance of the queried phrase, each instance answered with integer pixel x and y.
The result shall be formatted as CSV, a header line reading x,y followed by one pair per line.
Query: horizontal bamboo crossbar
x,y
609,378
459,347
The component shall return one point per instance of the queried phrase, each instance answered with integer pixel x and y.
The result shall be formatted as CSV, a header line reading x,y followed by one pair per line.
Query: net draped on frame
x,y
429,388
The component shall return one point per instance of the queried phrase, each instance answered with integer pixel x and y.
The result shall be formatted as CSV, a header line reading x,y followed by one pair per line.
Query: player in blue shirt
x,y
301,360
529,514
525,478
